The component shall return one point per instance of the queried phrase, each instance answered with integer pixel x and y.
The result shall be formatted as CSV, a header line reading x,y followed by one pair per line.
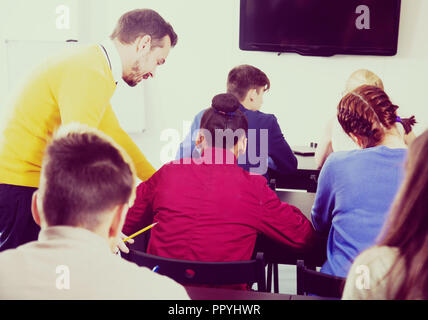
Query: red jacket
x,y
212,212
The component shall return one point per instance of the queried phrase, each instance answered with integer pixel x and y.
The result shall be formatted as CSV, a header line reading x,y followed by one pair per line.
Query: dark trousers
x,y
16,221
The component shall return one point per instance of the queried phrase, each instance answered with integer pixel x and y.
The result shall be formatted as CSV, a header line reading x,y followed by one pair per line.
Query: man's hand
x,y
120,245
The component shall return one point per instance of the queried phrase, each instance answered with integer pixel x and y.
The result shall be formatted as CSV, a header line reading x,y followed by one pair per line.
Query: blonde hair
x,y
363,77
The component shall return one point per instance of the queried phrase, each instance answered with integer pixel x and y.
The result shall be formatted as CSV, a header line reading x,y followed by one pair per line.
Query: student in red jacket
x,y
210,209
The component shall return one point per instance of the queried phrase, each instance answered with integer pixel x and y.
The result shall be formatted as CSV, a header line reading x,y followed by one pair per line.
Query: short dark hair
x,y
84,174
243,78
141,22
223,115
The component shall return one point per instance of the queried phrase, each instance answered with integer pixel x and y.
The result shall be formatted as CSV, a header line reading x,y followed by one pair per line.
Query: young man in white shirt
x,y
86,187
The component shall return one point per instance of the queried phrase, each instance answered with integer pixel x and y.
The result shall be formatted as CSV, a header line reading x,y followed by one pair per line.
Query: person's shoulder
x,y
151,285
347,157
176,165
183,168
366,279
377,255
377,260
261,120
339,162
7,257
394,152
77,55
12,259
337,158
266,116
75,60
375,153
253,181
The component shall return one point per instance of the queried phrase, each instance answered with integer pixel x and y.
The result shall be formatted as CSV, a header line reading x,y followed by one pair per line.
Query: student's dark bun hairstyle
x,y
225,102
223,115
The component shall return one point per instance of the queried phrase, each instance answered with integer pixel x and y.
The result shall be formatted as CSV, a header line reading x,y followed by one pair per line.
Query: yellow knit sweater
x,y
76,87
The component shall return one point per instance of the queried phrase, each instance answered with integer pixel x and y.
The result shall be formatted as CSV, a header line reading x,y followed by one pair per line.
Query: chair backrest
x,y
318,283
209,273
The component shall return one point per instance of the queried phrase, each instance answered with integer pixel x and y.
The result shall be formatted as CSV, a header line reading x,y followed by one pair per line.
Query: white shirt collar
x,y
113,56
74,235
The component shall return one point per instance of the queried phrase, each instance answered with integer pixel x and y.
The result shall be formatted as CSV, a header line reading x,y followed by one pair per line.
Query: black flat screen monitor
x,y
320,27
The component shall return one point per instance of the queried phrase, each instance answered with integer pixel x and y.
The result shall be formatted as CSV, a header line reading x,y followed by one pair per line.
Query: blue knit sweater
x,y
355,191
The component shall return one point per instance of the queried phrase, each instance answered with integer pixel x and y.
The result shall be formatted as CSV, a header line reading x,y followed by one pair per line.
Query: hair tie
x,y
398,119
229,114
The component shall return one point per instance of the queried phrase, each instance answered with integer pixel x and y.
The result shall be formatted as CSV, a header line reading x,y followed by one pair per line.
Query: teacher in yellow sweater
x,y
74,88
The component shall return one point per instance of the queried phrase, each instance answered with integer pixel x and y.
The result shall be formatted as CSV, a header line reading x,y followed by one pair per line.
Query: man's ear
x,y
118,220
143,44
252,95
34,209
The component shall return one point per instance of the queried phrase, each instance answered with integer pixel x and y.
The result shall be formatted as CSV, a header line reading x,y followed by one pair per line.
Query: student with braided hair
x,y
356,188
335,139
396,265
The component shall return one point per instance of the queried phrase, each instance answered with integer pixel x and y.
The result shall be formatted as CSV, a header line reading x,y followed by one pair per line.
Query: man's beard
x,y
132,78
131,82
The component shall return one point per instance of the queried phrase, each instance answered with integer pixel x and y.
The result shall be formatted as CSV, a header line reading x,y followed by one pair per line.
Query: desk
x,y
306,177
200,293
302,200
276,253
306,163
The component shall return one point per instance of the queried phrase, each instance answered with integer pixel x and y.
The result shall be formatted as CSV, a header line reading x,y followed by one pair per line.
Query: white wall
x,y
23,20
305,90
36,30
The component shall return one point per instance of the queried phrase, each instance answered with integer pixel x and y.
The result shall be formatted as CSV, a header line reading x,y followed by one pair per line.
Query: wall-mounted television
x,y
320,27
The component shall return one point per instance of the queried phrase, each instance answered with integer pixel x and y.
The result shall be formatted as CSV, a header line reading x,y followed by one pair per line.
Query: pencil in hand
x,y
139,232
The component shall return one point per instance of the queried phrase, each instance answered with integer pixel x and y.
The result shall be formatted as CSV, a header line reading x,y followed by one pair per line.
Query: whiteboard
x,y
23,56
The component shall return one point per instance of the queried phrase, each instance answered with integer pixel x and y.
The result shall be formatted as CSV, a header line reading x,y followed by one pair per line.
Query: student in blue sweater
x,y
356,188
267,146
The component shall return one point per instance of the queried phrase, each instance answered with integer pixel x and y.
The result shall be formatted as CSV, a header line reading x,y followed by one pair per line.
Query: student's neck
x,y
233,150
393,141
248,106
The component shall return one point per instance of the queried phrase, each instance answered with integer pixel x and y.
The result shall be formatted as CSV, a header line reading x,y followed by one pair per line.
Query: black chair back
x,y
209,273
318,283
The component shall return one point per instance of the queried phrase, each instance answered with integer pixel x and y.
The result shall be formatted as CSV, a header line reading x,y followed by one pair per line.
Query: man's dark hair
x,y
141,22
243,78
83,176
